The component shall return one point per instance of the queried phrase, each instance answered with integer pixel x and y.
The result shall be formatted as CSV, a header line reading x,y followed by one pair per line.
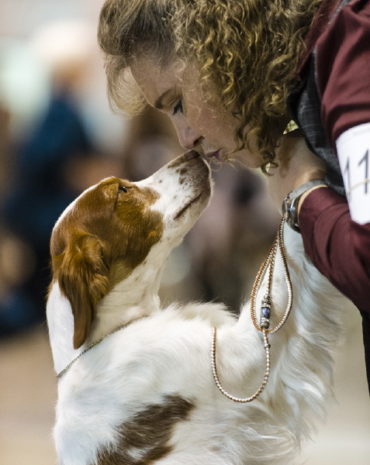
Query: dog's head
x,y
110,229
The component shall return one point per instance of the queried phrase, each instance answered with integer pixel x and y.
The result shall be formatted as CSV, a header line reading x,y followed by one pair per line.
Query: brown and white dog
x,y
136,384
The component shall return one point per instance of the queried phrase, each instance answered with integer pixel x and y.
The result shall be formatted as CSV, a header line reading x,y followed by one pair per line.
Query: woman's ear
x,y
82,274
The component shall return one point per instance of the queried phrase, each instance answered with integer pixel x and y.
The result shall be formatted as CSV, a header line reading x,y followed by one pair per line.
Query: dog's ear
x,y
82,274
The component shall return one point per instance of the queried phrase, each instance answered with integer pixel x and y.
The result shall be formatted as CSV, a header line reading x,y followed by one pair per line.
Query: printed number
x,y
347,177
354,158
347,172
365,160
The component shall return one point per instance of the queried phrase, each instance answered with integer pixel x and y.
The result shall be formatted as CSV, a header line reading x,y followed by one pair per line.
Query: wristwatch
x,y
290,203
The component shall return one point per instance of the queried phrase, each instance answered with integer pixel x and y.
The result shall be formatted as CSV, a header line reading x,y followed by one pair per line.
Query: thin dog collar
x,y
91,346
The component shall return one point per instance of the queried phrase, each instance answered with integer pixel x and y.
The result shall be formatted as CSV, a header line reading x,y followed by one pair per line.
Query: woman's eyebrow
x,y
159,102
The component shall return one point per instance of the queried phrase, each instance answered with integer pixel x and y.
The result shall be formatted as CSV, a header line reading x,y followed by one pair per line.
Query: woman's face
x,y
200,124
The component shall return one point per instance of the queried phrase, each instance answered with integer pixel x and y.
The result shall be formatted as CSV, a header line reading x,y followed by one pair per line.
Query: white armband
x,y
353,147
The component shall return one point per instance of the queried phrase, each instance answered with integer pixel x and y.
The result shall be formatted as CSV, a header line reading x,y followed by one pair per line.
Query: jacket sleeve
x,y
338,246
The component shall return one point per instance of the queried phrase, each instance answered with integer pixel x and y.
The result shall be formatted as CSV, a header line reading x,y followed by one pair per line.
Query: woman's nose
x,y
188,137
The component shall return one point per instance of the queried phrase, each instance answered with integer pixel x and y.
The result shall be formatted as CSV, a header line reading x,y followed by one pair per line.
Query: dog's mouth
x,y
180,213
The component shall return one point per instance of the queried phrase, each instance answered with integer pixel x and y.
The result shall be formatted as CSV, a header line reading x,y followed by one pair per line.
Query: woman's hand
x,y
297,165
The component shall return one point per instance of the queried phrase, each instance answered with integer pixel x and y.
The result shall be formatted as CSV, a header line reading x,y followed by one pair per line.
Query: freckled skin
x,y
203,123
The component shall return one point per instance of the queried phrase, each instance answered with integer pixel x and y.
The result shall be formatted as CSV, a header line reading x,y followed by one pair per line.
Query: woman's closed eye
x,y
178,107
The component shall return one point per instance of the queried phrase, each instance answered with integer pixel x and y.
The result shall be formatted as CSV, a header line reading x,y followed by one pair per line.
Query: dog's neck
x,y
133,298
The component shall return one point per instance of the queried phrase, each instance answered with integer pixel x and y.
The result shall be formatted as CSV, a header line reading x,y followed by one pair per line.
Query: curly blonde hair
x,y
250,50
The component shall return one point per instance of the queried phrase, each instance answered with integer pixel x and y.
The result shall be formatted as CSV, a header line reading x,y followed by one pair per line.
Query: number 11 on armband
x,y
353,148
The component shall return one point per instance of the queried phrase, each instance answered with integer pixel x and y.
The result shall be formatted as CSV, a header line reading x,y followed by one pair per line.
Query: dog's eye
x,y
123,189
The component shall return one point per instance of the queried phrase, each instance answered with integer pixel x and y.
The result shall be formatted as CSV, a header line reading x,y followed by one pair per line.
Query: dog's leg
x,y
301,351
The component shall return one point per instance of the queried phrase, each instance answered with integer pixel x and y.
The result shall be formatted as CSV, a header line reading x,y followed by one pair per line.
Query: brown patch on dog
x,y
105,235
148,434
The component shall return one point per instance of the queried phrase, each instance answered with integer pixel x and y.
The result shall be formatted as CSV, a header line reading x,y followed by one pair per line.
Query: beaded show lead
x,y
265,313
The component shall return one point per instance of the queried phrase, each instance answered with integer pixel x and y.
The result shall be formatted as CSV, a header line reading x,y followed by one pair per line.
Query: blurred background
x,y
58,136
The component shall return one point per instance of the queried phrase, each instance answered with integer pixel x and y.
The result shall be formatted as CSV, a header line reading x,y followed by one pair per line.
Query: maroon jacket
x,y
338,60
